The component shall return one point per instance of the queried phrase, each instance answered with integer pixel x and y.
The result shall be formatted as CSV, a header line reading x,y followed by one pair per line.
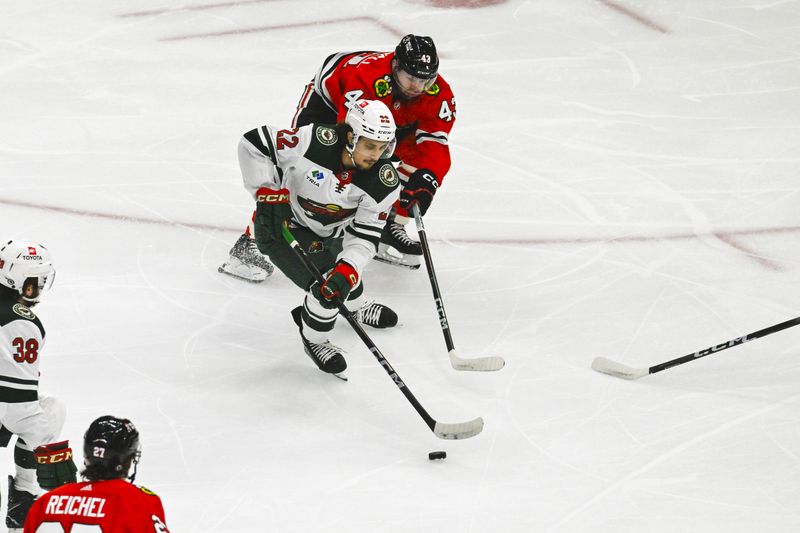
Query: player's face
x,y
367,152
411,86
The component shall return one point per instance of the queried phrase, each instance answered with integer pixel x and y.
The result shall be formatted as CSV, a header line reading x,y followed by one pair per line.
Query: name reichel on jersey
x,y
325,197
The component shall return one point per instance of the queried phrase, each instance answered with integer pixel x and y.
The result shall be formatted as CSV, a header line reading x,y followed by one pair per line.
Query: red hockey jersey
x,y
423,123
113,506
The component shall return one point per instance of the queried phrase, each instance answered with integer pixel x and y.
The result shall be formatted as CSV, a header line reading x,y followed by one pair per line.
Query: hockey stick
x,y
607,366
462,430
484,364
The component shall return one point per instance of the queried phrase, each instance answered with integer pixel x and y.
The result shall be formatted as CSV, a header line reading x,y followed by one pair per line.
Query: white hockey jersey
x,y
21,341
325,197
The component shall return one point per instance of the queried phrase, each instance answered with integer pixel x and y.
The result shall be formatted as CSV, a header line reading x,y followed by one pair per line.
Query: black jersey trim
x,y
255,140
19,380
11,395
369,238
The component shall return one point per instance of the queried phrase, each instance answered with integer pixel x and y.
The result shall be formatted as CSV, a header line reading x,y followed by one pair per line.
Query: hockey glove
x,y
272,209
54,465
337,285
419,189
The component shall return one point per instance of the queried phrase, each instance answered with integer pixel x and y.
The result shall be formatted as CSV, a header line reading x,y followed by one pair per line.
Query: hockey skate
x,y
397,248
325,355
376,315
19,503
246,262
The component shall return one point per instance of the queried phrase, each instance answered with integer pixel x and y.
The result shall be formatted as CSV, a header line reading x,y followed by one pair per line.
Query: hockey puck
x,y
436,455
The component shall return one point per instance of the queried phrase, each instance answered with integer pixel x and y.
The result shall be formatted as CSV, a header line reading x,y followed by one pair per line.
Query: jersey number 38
x,y
27,350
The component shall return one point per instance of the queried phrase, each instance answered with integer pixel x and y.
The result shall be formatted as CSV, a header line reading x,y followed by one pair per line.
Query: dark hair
x,y
100,472
342,129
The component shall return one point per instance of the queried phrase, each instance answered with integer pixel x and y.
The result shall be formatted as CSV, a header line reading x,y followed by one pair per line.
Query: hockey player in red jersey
x,y
26,271
424,109
106,501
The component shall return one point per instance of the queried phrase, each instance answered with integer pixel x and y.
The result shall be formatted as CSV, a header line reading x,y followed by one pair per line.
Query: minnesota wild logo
x,y
388,175
24,311
327,136
383,86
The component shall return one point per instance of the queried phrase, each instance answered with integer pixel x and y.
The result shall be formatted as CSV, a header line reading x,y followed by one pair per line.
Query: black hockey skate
x,y
376,315
397,248
247,262
326,356
19,503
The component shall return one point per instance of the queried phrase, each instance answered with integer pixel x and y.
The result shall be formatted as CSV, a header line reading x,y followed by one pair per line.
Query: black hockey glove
x,y
271,210
421,187
54,465
337,285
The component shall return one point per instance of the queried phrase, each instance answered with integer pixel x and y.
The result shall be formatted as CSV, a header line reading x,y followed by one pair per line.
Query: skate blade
x,y
221,270
394,262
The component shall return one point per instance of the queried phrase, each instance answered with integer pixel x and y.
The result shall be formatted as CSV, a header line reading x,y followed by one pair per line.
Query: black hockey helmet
x,y
417,56
110,444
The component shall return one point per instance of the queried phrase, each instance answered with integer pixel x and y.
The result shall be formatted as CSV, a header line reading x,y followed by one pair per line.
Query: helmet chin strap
x,y
351,147
132,477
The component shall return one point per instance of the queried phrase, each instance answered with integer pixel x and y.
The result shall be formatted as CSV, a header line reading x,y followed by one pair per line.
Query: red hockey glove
x,y
419,189
271,210
54,465
337,285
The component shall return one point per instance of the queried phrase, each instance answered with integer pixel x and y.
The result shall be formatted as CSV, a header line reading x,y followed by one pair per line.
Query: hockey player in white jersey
x,y
25,272
335,185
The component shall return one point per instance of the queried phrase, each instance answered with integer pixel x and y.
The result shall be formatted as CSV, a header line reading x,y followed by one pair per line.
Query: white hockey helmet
x,y
20,260
373,120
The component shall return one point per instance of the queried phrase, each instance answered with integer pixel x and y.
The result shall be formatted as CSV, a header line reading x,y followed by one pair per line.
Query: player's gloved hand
x,y
54,465
421,187
271,210
337,285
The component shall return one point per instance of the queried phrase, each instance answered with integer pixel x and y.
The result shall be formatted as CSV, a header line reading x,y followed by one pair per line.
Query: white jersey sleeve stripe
x,y
440,137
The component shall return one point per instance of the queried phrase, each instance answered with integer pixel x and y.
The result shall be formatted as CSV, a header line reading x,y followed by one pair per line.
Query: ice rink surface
x,y
625,184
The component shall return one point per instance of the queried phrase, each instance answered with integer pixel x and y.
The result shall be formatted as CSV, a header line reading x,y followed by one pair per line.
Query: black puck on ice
x,y
436,455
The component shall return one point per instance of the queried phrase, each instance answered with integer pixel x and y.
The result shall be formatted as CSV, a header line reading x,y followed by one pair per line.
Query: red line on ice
x,y
274,27
726,236
200,7
634,15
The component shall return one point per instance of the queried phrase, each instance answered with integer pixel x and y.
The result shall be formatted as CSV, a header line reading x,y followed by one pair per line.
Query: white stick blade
x,y
479,364
462,430
613,368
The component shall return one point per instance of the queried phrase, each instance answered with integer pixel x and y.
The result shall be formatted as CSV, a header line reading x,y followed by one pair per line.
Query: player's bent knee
x,y
56,412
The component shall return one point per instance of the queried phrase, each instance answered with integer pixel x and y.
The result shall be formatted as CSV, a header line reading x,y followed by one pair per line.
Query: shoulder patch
x,y
147,491
383,86
23,311
388,175
327,136
434,90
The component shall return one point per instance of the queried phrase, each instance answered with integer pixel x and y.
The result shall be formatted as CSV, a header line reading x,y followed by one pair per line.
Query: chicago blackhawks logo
x,y
434,90
387,175
327,136
383,86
